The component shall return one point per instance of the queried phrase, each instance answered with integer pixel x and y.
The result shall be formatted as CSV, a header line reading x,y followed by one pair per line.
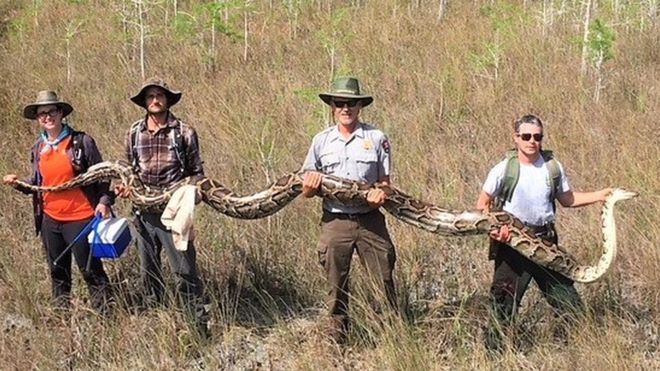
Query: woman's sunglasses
x,y
527,136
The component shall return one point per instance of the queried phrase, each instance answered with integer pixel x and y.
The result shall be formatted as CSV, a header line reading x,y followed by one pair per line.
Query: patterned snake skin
x,y
406,208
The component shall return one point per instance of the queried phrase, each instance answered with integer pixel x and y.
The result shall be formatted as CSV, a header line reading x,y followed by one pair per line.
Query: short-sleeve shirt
x,y
530,201
364,157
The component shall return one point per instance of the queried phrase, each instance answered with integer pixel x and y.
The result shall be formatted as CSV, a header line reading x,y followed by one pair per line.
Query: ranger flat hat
x,y
346,88
46,98
173,96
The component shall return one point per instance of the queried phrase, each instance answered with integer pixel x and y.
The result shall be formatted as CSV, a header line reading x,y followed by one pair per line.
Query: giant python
x,y
402,206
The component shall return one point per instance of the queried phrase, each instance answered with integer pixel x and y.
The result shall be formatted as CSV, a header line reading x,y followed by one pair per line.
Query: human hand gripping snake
x,y
400,205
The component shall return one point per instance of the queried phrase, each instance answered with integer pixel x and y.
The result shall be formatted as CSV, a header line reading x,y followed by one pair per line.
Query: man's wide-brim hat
x,y
46,98
173,96
346,88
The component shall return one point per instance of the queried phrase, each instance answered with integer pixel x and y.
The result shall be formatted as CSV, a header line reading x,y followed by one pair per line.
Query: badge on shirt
x,y
386,146
367,144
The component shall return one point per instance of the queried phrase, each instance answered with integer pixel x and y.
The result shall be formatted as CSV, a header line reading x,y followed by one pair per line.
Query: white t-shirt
x,y
530,201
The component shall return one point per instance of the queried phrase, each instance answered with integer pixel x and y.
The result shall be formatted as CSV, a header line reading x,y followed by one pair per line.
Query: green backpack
x,y
512,173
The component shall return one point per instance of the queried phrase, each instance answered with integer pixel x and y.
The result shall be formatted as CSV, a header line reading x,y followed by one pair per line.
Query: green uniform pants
x,y
341,234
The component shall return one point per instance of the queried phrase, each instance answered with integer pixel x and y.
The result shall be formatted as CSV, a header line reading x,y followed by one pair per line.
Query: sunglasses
x,y
527,136
51,113
345,103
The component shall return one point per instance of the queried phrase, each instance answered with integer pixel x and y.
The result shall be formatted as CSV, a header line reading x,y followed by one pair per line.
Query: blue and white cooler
x,y
109,238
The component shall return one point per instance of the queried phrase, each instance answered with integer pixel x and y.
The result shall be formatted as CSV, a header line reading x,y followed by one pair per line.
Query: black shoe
x,y
203,332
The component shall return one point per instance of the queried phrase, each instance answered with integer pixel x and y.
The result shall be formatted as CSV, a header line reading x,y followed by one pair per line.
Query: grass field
x,y
448,78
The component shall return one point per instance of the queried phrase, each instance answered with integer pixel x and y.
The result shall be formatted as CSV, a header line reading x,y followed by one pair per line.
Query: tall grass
x,y
446,92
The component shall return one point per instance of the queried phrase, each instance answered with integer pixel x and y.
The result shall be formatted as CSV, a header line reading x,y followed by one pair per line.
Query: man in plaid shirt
x,y
164,150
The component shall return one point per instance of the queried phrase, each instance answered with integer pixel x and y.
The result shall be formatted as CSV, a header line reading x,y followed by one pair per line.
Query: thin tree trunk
x,y
35,5
143,35
68,60
599,77
212,48
245,35
585,37
332,62
548,15
442,8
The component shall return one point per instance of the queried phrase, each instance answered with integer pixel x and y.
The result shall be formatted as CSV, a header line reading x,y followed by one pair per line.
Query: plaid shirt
x,y
157,157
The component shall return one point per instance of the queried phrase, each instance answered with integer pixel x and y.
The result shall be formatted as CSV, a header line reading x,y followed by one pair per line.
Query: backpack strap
x,y
554,172
179,146
34,159
78,152
134,134
511,174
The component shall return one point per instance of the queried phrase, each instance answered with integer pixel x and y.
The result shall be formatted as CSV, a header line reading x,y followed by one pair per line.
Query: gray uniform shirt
x,y
364,157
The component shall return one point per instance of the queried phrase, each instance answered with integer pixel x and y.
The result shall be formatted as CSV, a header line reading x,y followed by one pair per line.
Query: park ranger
x,y
358,151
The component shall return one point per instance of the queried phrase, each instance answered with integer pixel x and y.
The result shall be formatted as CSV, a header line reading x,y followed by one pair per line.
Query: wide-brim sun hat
x,y
346,88
173,96
46,98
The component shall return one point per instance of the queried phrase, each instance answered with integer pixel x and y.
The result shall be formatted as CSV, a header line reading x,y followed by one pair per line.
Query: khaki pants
x,y
366,233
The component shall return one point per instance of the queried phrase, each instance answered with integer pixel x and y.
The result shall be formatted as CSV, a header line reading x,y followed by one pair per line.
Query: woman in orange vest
x,y
59,154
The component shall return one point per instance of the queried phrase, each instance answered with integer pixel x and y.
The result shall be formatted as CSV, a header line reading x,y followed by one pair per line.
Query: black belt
x,y
156,209
541,229
327,215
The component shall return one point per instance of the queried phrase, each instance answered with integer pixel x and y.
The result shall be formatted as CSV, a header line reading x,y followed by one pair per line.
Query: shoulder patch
x,y
386,145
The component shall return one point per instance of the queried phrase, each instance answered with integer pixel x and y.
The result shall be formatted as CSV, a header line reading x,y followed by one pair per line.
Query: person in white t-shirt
x,y
532,201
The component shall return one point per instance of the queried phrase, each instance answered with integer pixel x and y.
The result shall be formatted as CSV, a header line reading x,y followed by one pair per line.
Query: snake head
x,y
622,194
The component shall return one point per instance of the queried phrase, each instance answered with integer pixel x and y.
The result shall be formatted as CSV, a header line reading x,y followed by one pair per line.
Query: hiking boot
x,y
203,331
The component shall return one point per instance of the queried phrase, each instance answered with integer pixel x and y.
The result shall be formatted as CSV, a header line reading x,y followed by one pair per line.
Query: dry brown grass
x,y
448,122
